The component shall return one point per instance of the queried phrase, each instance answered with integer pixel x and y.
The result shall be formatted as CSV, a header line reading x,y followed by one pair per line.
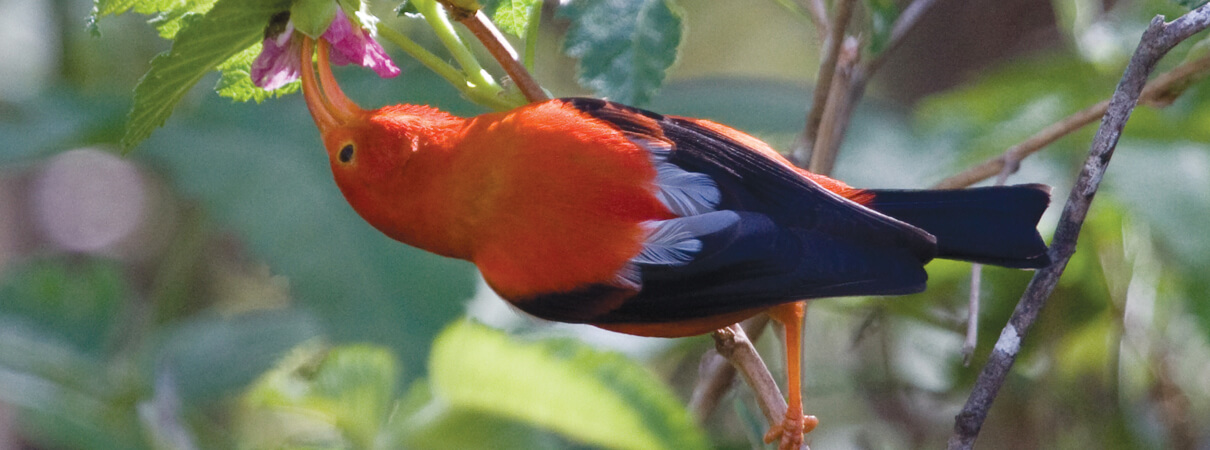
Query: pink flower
x,y
278,63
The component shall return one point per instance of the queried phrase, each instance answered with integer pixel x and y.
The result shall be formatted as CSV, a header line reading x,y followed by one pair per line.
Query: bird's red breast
x,y
558,198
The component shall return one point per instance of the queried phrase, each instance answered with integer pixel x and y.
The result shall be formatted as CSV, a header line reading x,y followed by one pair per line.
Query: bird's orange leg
x,y
791,430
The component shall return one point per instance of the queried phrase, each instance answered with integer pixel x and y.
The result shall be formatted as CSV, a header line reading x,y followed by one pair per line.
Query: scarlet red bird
x,y
586,211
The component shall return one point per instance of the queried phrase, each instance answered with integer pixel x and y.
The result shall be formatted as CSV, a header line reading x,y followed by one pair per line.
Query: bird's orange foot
x,y
790,431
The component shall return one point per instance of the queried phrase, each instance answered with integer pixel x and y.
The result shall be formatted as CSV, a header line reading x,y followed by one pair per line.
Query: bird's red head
x,y
383,160
363,144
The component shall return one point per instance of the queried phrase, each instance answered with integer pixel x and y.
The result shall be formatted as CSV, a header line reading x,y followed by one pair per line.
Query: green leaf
x,y
325,397
169,23
202,44
624,46
236,80
602,399
513,16
113,7
1191,4
168,13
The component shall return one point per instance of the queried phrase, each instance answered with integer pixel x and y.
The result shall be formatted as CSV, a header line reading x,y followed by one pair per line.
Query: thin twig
x,y
733,344
503,52
833,135
837,112
1157,40
1160,92
972,314
716,374
823,82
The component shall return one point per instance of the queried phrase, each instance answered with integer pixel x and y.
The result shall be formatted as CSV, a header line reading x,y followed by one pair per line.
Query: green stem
x,y
485,92
492,100
441,25
531,34
452,75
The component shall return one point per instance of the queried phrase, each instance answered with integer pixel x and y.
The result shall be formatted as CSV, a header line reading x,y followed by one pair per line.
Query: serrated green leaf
x,y
513,16
235,81
318,398
598,398
203,43
168,14
624,46
169,23
114,7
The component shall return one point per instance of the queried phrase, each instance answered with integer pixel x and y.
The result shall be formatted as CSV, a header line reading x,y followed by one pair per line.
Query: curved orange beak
x,y
329,106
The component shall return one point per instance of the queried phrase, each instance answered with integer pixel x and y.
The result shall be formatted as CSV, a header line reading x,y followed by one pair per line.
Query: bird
x,y
587,211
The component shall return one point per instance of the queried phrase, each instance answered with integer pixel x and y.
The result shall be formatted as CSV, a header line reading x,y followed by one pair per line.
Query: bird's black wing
x,y
771,236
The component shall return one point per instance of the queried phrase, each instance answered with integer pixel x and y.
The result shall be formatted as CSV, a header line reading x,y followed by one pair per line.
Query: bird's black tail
x,y
990,225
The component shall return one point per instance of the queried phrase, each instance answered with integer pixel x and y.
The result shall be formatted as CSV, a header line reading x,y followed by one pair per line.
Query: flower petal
x,y
278,63
353,45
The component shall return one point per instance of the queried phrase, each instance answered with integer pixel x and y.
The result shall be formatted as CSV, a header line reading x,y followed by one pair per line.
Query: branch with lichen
x,y
1159,38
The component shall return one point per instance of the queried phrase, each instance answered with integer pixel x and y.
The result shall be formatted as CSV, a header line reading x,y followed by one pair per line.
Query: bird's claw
x,y
790,431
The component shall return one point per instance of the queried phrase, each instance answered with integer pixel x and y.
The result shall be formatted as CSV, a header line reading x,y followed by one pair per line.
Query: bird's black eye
x,y
346,153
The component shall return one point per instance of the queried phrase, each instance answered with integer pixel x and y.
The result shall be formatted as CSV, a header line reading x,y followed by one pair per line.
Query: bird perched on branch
x,y
587,211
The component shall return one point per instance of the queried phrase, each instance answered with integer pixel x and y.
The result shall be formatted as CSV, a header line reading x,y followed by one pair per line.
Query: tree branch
x,y
832,135
837,111
1157,40
497,45
1160,92
716,373
733,344
823,82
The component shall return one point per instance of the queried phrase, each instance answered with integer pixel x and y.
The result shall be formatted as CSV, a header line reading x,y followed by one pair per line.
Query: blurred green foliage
x,y
254,309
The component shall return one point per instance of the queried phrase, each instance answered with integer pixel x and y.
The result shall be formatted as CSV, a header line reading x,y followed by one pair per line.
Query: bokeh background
x,y
212,289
